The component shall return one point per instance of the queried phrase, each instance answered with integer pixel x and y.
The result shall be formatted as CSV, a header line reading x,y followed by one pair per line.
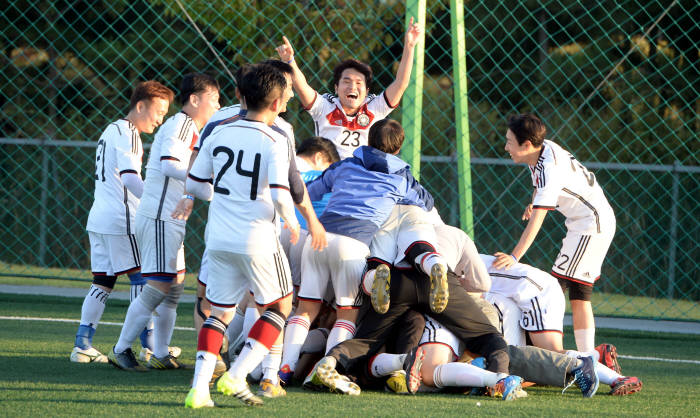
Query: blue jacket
x,y
364,190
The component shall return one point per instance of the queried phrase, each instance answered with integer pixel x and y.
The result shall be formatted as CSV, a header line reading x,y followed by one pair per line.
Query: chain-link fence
x,y
616,83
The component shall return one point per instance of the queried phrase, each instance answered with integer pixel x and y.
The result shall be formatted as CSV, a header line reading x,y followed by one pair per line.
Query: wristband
x,y
291,60
514,258
188,196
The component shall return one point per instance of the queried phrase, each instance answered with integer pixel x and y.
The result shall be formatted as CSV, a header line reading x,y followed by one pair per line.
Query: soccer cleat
x,y
126,360
219,369
608,357
397,383
285,375
198,399
237,388
626,385
585,378
89,355
439,291
381,289
165,363
507,388
145,353
270,390
411,366
325,375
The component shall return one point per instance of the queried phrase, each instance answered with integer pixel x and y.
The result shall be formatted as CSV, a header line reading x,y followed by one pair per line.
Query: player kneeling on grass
x,y
247,162
118,188
562,183
160,237
365,190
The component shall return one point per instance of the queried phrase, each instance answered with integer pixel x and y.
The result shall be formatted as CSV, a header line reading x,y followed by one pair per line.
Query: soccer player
x,y
564,184
110,225
159,236
345,118
365,190
247,162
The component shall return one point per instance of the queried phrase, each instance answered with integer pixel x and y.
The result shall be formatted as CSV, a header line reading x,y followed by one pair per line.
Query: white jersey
x,y
119,151
564,184
232,113
520,282
347,132
174,141
244,159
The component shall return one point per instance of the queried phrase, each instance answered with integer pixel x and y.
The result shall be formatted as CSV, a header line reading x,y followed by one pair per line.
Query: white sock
x,y
251,355
463,375
235,327
368,281
385,364
585,339
203,370
426,261
606,375
137,316
163,329
93,306
294,336
342,330
271,363
577,354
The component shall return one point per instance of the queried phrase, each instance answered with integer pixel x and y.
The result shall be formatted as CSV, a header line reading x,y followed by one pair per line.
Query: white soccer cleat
x,y
90,355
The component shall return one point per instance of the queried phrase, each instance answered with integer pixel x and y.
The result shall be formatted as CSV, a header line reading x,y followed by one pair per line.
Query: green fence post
x,y
459,69
411,116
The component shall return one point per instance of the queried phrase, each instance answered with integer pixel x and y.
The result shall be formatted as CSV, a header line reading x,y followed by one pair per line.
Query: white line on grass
x,y
76,321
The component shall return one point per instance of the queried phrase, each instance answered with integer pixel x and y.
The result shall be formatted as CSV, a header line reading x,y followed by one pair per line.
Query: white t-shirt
x,y
564,184
244,159
174,141
119,150
347,132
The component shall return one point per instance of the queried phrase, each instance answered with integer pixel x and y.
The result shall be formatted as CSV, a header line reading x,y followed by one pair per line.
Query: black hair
x,y
194,83
261,85
314,144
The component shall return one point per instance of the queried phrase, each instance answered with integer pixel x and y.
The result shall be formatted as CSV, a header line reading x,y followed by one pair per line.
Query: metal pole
x,y
459,68
673,232
413,97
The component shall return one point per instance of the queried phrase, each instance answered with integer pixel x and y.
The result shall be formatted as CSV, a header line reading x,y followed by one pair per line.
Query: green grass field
x,y
38,379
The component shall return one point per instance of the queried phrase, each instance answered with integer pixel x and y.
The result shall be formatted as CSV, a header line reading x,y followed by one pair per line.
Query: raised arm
x,y
403,74
306,94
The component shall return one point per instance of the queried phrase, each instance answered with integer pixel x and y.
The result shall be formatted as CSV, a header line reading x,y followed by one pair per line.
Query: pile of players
x,y
383,293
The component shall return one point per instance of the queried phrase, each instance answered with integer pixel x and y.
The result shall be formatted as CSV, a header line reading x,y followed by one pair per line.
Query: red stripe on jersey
x,y
386,99
544,207
312,102
337,118
195,138
273,302
571,279
167,157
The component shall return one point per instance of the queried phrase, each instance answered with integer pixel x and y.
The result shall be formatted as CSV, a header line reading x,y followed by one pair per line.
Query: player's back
x,y
174,140
241,156
119,151
564,184
519,282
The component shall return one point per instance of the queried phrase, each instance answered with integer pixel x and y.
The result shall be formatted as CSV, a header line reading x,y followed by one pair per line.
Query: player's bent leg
x,y
549,340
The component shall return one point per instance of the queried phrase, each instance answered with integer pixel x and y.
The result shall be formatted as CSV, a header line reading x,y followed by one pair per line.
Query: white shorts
x,y
112,255
293,252
406,225
581,257
508,316
162,247
341,264
230,275
435,333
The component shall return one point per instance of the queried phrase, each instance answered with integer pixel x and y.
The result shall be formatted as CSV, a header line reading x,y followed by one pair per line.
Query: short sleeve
x,y
202,168
380,107
547,186
127,144
178,141
320,107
